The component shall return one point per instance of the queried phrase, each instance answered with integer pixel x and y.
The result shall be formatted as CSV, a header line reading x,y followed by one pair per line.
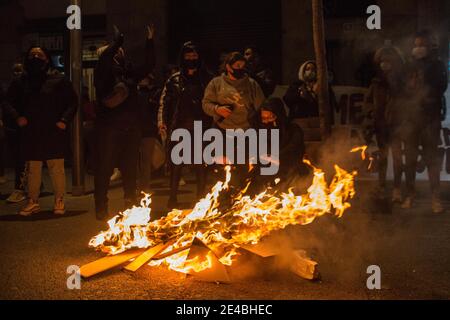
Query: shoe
x,y
407,204
117,175
32,207
60,207
397,195
3,180
16,197
436,205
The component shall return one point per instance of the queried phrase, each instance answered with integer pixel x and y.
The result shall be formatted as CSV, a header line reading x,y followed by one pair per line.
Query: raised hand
x,y
151,31
118,36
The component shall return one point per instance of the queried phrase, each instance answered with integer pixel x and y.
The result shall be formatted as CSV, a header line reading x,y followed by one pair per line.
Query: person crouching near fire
x,y
43,105
234,99
117,125
292,145
385,106
180,107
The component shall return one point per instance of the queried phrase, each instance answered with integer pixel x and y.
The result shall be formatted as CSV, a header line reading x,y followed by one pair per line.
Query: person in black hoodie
x,y
292,144
429,81
180,106
42,104
259,71
118,124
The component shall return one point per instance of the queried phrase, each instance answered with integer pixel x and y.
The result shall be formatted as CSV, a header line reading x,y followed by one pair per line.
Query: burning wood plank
x,y
217,272
303,266
146,256
109,262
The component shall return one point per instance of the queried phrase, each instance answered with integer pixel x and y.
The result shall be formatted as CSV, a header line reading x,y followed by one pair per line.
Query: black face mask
x,y
191,64
239,73
36,67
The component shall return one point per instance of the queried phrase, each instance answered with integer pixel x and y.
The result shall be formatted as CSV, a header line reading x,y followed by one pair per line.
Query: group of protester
x,y
405,106
135,112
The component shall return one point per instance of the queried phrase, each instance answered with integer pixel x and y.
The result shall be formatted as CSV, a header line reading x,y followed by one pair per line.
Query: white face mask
x,y
420,52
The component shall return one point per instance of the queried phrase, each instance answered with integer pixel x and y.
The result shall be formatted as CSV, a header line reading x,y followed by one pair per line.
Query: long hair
x,y
230,59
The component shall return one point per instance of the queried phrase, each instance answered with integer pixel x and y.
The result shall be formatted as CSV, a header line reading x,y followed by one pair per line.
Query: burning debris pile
x,y
209,236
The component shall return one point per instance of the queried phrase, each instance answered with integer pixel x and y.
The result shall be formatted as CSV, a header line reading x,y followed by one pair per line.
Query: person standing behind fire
x,y
13,141
43,106
180,106
429,83
301,96
259,71
118,124
385,107
233,99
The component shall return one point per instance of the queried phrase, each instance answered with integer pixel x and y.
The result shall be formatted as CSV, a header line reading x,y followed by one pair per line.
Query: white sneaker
x,y
116,175
16,197
3,180
32,207
60,207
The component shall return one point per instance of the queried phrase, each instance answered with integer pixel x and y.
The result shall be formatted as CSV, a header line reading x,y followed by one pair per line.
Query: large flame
x,y
224,230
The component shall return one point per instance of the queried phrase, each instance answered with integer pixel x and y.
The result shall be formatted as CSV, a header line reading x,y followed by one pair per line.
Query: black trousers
x,y
427,136
13,140
115,148
390,138
176,170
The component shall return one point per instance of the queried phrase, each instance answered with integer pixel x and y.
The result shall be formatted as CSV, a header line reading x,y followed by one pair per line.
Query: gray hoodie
x,y
244,96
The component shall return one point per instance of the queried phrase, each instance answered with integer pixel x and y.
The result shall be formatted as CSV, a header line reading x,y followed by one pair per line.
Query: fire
x,y
224,230
362,149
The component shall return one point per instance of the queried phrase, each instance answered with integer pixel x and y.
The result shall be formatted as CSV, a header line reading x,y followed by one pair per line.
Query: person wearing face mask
x,y
301,96
42,104
118,123
259,71
12,137
385,111
428,81
180,107
234,99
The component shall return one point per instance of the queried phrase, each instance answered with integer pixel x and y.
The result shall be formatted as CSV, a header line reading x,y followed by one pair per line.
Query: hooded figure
x,y
301,96
180,107
384,106
42,104
292,144
118,124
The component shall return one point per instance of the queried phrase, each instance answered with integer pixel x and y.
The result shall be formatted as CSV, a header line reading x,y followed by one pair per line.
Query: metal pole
x,y
78,188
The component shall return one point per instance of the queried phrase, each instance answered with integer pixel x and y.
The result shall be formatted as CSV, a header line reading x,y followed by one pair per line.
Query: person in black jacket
x,y
180,106
42,104
292,144
259,71
429,81
118,124
301,97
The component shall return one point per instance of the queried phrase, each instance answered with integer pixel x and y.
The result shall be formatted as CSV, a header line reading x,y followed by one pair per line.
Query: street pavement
x,y
411,248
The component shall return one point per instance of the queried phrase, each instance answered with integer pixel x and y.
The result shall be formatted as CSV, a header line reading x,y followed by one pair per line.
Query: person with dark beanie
x,y
118,124
42,104
180,107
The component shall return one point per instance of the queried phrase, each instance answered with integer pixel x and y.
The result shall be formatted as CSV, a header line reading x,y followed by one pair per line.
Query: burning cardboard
x,y
214,233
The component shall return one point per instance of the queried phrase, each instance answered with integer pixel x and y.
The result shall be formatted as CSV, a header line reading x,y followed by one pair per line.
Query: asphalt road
x,y
412,249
